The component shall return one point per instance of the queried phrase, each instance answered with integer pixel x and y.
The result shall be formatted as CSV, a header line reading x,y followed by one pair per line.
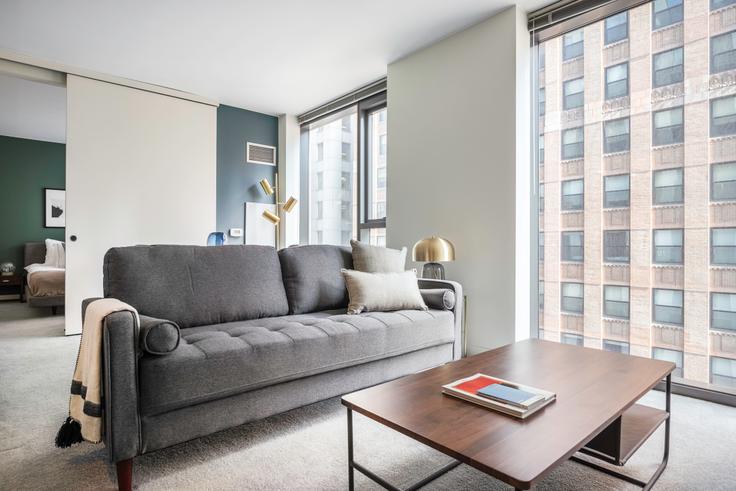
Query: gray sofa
x,y
232,334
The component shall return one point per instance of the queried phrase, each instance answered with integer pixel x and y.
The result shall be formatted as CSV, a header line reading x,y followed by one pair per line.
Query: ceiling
x,y
32,110
272,56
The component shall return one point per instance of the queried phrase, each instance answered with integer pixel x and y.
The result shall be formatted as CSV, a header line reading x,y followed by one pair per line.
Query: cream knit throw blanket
x,y
86,404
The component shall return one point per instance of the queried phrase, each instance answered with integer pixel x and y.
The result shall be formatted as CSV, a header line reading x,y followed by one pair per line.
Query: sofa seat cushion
x,y
221,360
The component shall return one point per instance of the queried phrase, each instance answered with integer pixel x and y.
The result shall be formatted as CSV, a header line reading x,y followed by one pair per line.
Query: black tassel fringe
x,y
69,434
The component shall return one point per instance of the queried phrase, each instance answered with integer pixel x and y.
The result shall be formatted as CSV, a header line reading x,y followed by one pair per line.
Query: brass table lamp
x,y
433,250
275,218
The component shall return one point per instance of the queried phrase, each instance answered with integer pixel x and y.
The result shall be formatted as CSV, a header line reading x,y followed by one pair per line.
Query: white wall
x,y
456,140
140,169
289,176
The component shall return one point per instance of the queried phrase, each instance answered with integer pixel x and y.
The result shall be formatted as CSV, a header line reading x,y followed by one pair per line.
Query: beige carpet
x,y
303,449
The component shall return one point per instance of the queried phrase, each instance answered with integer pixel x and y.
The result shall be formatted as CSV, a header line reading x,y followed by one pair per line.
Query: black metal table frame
x,y
355,466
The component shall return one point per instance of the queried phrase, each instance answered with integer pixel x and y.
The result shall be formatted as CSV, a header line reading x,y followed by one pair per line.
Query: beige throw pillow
x,y
374,259
381,292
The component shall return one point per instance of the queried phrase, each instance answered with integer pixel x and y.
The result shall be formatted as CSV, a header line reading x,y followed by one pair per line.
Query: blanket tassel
x,y
69,434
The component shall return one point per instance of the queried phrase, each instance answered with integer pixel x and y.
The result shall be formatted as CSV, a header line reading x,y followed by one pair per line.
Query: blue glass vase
x,y
217,239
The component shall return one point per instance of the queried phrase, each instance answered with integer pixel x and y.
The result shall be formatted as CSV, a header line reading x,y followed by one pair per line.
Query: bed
x,y
44,287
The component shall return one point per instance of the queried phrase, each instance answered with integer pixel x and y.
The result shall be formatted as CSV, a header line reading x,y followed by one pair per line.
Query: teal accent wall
x,y
26,167
237,181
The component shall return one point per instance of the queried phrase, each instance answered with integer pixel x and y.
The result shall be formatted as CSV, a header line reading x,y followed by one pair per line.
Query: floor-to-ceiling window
x,y
637,159
344,166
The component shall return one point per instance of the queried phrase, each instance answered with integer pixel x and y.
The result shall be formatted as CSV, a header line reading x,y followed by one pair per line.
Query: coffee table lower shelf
x,y
614,445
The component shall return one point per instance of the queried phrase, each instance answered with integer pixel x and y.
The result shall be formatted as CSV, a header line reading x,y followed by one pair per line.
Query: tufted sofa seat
x,y
227,359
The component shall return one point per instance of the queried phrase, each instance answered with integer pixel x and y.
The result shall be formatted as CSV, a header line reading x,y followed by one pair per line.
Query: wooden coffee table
x,y
594,414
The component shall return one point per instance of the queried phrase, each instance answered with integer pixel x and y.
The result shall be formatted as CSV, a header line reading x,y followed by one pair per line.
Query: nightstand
x,y
14,280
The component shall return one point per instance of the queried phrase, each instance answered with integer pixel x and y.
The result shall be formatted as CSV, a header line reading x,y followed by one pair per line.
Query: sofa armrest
x,y
120,353
457,310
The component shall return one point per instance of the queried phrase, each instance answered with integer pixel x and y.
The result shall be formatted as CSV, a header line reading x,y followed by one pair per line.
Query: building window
x,y
541,149
382,145
320,210
541,295
719,4
541,197
320,151
572,246
668,127
572,195
572,45
542,60
616,136
723,52
667,246
347,123
668,187
616,346
617,28
320,181
572,143
541,246
572,298
573,94
666,13
723,182
571,339
667,68
346,183
542,102
723,311
616,301
667,307
347,154
616,191
616,247
723,246
617,81
723,116
722,371
669,355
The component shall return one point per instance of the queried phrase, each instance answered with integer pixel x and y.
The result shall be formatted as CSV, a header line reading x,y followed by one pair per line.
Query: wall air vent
x,y
260,154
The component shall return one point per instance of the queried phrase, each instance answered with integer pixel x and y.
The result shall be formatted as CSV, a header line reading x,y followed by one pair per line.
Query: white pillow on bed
x,y
55,254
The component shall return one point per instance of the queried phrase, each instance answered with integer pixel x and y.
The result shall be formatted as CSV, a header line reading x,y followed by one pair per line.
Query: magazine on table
x,y
500,395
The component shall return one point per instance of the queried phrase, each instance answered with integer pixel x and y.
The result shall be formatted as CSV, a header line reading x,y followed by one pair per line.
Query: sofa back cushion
x,y
194,285
312,277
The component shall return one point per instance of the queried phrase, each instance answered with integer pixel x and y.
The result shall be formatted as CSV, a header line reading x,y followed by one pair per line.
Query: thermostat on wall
x,y
236,232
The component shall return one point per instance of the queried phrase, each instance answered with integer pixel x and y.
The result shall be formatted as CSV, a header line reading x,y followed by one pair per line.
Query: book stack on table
x,y
500,395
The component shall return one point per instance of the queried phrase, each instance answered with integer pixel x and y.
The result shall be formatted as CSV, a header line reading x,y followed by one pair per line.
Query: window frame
x,y
730,127
563,206
713,182
565,95
679,7
681,72
655,305
580,129
732,51
565,47
681,186
681,246
713,261
607,84
712,310
563,308
581,246
605,303
607,233
606,123
606,203
367,107
681,134
606,29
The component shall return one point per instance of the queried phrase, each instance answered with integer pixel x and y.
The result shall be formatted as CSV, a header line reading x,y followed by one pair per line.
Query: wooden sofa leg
x,y
125,475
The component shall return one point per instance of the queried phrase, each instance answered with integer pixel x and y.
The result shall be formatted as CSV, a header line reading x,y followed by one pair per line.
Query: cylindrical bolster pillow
x,y
438,298
158,336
